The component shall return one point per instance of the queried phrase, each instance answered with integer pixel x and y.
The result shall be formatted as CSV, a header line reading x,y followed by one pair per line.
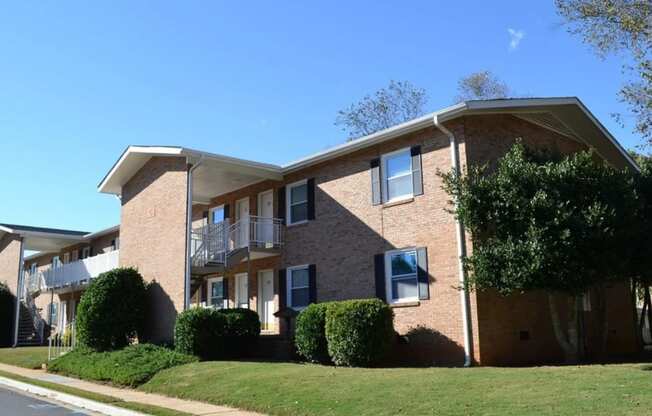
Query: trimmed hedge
x,y
200,332
110,312
359,332
241,331
7,312
131,366
310,335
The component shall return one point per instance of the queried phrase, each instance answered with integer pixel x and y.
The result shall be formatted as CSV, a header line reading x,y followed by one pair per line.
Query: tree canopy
x,y
481,85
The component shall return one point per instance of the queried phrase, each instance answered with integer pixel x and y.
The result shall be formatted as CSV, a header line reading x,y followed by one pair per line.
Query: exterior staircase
x,y
28,334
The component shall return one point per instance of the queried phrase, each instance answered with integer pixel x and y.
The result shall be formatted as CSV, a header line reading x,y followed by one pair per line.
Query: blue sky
x,y
80,81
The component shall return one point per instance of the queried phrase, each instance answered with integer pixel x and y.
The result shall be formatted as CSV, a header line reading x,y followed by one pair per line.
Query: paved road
x,y
14,403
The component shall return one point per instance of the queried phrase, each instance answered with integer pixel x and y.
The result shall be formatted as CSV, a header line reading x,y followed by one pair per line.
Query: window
x,y
397,175
402,277
86,252
217,214
298,287
216,295
66,258
56,262
297,202
33,268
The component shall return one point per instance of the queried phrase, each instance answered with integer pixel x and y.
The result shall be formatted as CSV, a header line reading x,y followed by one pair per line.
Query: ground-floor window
x,y
298,287
401,274
216,295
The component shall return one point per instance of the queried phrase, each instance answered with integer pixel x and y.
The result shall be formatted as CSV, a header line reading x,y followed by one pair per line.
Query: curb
x,y
69,399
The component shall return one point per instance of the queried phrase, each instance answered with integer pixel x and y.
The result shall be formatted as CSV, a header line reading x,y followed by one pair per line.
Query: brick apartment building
x,y
364,219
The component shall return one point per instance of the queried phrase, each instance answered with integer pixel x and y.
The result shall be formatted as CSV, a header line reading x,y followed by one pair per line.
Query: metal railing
x,y
37,320
74,273
214,242
62,341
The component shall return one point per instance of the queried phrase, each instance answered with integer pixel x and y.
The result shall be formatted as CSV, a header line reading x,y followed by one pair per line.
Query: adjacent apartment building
x,y
364,219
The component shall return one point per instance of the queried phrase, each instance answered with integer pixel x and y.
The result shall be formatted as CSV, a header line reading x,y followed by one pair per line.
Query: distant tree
x,y
559,226
481,85
399,102
619,27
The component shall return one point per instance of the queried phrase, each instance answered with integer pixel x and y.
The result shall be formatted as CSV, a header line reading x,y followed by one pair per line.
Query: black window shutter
x,y
205,216
204,292
379,269
417,174
422,273
312,283
281,203
282,289
79,254
311,198
225,286
375,182
227,211
91,252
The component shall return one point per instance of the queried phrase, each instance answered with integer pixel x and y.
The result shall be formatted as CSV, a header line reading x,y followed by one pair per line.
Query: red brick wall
x,y
10,260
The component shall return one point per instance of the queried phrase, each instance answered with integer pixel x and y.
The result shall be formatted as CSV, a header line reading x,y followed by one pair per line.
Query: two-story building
x,y
367,218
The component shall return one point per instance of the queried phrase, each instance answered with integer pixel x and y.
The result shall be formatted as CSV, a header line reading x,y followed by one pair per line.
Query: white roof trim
x,y
7,230
100,233
446,114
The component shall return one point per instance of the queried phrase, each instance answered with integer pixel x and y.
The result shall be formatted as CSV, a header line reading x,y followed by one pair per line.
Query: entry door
x,y
242,215
266,300
241,291
265,227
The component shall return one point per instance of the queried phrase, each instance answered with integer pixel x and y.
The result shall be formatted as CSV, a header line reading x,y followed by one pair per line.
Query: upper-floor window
x,y
217,214
86,252
297,202
66,258
402,275
56,262
397,175
298,287
33,268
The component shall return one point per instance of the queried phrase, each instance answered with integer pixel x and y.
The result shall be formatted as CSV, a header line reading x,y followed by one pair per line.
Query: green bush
x,y
7,311
111,310
242,329
200,332
310,333
359,332
131,366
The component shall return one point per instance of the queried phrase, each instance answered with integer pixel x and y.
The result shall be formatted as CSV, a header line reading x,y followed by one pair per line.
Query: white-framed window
x,y
216,296
86,252
401,274
297,202
216,214
33,268
241,290
53,311
298,287
66,258
396,170
56,262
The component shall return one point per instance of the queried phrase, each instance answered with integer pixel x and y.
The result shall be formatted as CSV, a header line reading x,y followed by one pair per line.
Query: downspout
x,y
19,290
461,249
186,290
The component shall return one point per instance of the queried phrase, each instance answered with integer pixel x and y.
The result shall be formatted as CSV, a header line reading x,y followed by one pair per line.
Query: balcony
x,y
215,246
71,276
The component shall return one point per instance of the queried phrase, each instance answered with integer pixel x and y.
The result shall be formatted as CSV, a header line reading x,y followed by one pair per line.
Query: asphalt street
x,y
14,403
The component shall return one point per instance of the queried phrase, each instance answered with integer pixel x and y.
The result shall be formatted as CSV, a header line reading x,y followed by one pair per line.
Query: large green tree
x,y
622,27
547,223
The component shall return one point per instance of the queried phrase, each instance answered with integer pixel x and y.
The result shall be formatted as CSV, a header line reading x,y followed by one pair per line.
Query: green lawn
x,y
28,357
296,389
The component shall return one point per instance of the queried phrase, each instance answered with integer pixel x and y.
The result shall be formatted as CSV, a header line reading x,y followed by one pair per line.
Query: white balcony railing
x,y
75,273
212,243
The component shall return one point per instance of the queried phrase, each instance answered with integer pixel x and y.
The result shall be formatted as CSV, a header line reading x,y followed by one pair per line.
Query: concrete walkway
x,y
129,395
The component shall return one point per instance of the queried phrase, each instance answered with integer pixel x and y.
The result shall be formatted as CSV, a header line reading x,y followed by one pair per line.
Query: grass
x,y
144,408
303,389
128,367
27,357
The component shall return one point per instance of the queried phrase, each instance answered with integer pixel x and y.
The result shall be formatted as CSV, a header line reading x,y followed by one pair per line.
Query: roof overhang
x,y
44,239
565,115
214,174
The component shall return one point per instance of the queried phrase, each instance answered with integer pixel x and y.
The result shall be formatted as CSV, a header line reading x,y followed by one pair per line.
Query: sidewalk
x,y
129,395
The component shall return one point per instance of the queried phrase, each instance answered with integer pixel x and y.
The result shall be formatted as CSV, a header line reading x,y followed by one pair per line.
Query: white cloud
x,y
515,37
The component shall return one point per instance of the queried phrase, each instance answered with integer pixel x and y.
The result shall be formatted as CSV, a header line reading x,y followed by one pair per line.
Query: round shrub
x,y
242,328
359,332
200,332
310,333
111,310
7,311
